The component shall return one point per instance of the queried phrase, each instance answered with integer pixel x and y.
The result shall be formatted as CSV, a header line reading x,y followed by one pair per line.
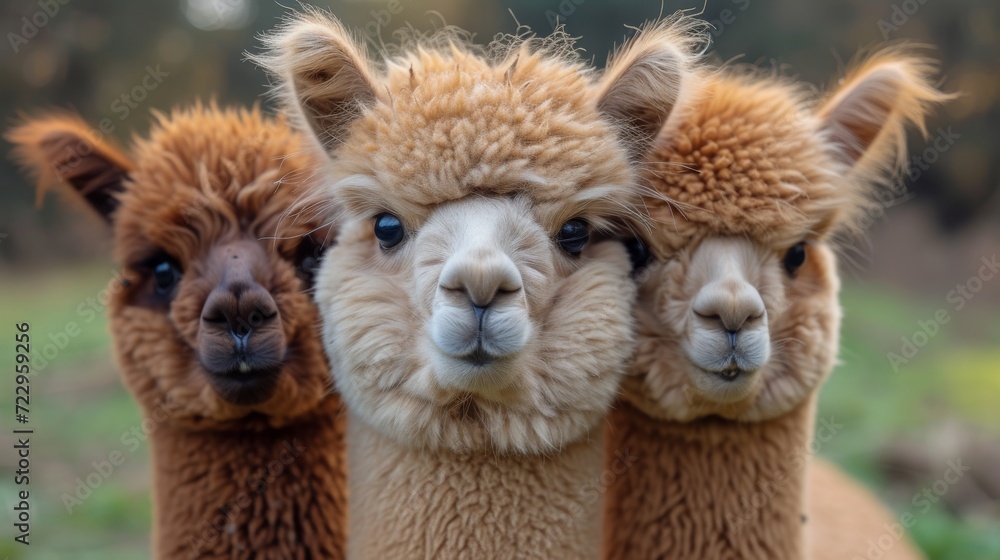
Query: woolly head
x,y
211,321
741,319
469,304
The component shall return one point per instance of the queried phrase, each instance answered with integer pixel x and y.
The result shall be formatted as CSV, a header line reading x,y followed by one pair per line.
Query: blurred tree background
x,y
903,421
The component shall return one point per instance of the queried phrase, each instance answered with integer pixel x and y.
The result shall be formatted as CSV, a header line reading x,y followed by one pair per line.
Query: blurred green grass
x,y
79,411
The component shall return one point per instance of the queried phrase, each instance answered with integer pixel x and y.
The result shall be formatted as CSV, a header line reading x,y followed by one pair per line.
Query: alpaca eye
x,y
795,257
638,254
573,236
388,230
307,257
165,276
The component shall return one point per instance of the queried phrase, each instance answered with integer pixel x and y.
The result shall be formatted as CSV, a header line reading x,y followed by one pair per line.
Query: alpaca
x,y
738,326
845,519
213,330
477,324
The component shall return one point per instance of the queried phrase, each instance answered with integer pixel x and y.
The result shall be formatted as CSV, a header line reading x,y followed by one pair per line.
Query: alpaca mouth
x,y
729,374
245,382
247,387
480,357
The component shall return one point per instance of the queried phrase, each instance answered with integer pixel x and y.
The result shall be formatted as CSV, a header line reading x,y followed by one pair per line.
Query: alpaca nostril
x,y
239,309
731,305
241,331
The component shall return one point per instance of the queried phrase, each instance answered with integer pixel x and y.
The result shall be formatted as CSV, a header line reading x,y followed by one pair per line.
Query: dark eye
x,y
795,257
638,253
166,274
573,236
388,230
307,257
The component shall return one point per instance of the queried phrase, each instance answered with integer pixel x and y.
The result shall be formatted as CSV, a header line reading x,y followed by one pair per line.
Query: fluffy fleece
x,y
750,168
230,480
845,519
492,460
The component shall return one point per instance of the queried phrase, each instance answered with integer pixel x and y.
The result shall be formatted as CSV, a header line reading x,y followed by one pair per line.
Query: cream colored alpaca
x,y
481,329
739,327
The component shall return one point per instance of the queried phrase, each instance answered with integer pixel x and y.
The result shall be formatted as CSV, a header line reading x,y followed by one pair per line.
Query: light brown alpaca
x,y
739,326
846,520
213,330
477,336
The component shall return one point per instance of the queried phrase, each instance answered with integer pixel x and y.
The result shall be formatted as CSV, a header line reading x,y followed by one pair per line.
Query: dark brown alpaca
x,y
213,330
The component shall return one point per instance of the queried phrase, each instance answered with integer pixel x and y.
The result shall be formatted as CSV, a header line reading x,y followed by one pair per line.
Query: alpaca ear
x,y
322,74
643,80
63,149
865,119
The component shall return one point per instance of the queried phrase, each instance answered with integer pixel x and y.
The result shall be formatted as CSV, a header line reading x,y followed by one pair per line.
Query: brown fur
x,y
493,154
749,168
205,187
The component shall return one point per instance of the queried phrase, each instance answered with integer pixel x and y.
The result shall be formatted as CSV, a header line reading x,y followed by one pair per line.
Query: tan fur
x,y
749,168
708,488
441,504
844,518
262,480
483,158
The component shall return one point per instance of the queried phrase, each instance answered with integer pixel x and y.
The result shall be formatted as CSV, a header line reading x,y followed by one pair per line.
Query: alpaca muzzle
x,y
479,309
479,319
241,343
729,339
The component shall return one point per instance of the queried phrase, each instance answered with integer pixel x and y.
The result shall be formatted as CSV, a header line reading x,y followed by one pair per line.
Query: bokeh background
x,y
902,423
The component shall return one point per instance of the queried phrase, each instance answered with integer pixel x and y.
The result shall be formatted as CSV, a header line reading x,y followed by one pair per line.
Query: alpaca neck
x,y
707,489
274,493
411,503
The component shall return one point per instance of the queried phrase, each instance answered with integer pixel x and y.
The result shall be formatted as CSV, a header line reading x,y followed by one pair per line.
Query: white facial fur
x,y
401,321
479,320
727,335
686,364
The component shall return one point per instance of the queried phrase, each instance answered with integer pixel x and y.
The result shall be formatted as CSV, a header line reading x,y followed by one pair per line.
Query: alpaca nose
x,y
732,303
482,275
241,339
240,307
238,303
